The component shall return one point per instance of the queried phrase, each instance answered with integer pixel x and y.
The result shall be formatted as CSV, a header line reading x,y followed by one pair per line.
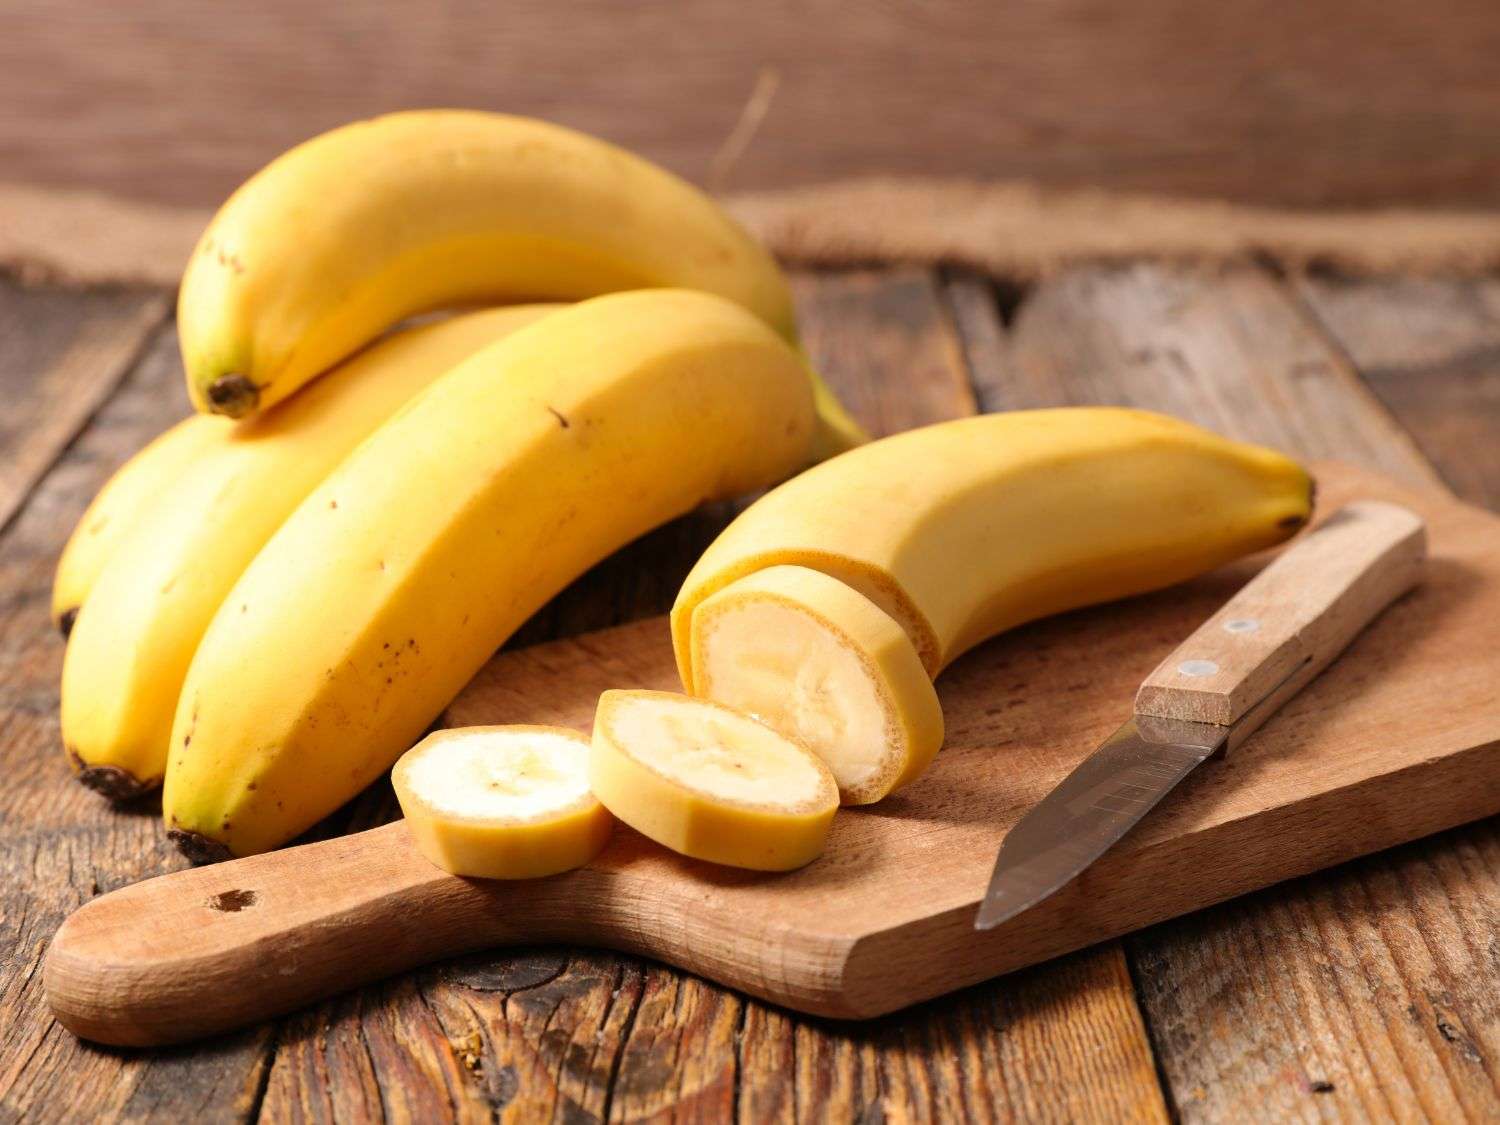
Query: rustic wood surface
x,y
1367,991
163,960
1340,101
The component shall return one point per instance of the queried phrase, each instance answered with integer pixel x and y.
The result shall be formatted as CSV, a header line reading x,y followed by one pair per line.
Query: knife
x,y
1205,699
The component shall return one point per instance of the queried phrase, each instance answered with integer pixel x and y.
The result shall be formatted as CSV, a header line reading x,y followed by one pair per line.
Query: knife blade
x,y
1205,699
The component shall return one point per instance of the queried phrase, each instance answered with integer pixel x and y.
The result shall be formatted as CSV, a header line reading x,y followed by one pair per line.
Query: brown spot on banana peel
x,y
65,621
198,847
233,394
111,782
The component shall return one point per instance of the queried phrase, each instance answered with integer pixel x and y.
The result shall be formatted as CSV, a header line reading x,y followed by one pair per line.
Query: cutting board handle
x,y
1290,620
212,948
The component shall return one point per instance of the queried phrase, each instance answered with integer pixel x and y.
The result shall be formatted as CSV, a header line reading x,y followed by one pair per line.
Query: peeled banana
x,y
121,504
956,532
399,576
709,782
356,229
152,601
502,802
816,659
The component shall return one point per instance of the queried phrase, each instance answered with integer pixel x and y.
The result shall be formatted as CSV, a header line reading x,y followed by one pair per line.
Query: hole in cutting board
x,y
232,902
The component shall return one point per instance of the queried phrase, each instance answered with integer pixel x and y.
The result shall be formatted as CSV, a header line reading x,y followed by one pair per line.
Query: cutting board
x,y
1399,738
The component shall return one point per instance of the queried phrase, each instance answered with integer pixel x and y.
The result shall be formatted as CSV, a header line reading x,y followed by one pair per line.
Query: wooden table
x,y
1367,992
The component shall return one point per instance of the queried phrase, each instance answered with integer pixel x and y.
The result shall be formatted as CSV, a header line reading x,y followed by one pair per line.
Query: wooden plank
x,y
1330,102
1226,349
1430,349
1368,992
60,844
591,1035
63,353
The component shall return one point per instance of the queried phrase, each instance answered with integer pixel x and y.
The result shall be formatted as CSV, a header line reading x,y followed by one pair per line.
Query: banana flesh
x,y
121,504
394,581
129,652
508,802
708,782
813,658
355,230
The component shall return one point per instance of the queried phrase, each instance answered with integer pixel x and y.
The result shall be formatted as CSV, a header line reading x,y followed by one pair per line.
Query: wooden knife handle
x,y
204,950
1290,620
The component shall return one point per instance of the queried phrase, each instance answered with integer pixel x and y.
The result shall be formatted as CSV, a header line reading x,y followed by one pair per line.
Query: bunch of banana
x,y
281,316
829,605
398,576
153,598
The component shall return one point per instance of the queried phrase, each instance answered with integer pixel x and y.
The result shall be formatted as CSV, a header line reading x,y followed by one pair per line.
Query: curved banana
x,y
962,530
399,576
132,643
358,228
122,503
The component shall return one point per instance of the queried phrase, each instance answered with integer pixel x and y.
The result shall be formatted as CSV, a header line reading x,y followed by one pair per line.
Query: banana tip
x,y
233,394
110,782
65,621
197,847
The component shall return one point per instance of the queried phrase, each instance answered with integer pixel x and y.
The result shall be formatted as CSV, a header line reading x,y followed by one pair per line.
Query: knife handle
x,y
1290,620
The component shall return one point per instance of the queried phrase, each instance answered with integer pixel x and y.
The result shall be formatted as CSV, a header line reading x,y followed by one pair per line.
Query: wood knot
x,y
232,902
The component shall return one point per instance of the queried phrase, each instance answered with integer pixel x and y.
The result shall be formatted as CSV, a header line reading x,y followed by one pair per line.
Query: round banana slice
x,y
709,782
502,802
818,661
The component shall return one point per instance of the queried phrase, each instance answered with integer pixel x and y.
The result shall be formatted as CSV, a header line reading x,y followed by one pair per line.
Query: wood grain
x,y
63,356
1329,102
61,845
1430,349
1330,995
1290,621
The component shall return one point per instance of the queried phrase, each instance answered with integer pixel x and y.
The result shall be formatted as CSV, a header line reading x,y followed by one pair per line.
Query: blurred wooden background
x,y
1346,102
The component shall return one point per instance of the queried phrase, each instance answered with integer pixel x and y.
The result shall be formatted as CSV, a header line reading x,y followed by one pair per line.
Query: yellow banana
x,y
122,503
153,599
957,532
352,231
399,576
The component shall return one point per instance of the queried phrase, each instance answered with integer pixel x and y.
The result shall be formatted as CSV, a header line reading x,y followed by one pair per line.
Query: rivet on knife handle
x,y
1290,620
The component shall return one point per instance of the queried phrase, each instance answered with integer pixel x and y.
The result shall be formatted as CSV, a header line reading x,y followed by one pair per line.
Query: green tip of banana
x,y
837,431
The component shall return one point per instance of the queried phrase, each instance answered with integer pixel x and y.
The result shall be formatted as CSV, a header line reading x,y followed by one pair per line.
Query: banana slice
x,y
709,782
820,662
502,802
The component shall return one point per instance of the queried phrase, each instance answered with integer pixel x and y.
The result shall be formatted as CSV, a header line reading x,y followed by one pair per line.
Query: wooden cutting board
x,y
1398,739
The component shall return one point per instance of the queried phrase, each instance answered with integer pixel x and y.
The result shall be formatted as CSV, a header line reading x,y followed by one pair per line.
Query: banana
x,y
709,782
358,228
959,531
129,651
815,659
502,802
399,576
122,503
